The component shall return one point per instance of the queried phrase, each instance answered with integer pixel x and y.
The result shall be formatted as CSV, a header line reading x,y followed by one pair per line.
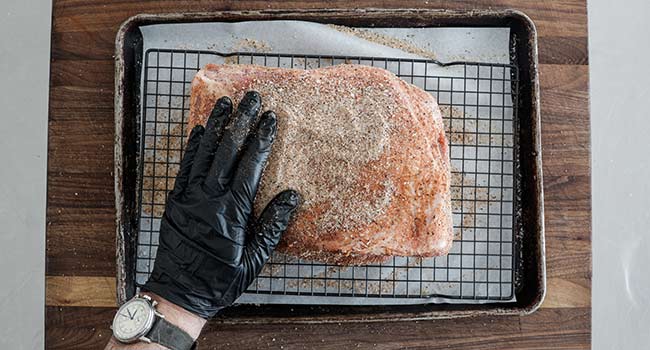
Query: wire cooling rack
x,y
478,103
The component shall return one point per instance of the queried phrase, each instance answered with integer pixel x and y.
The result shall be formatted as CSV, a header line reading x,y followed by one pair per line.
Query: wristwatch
x,y
138,320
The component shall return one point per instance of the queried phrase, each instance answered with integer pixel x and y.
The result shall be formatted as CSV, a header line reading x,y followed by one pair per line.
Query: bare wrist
x,y
174,314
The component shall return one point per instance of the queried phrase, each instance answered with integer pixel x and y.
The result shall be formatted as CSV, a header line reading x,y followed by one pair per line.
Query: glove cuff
x,y
198,306
176,276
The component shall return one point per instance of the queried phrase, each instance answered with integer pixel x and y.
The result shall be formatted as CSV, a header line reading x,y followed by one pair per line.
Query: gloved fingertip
x,y
268,124
269,114
289,199
222,108
224,103
253,96
251,100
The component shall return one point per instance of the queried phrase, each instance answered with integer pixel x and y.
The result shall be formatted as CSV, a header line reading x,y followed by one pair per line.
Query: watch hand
x,y
134,312
123,315
129,311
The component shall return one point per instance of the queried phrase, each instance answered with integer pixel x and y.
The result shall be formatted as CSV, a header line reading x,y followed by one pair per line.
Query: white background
x,y
620,132
620,94
24,79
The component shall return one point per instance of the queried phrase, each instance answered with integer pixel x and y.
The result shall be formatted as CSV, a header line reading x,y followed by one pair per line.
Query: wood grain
x,y
80,291
81,216
567,182
563,50
559,328
567,293
84,16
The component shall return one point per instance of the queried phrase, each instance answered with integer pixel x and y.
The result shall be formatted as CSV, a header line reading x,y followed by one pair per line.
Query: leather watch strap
x,y
170,336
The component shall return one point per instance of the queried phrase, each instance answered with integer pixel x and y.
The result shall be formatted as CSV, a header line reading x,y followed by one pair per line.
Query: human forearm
x,y
185,320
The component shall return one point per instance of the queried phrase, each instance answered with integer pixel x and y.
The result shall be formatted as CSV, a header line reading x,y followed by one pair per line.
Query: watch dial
x,y
131,319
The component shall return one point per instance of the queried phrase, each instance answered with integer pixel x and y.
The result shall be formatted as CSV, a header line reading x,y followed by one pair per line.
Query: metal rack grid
x,y
478,102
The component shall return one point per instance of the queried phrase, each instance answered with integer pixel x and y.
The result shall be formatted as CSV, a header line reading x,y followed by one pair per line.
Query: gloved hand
x,y
210,249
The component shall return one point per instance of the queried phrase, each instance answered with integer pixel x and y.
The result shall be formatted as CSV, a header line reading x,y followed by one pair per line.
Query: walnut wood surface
x,y
81,215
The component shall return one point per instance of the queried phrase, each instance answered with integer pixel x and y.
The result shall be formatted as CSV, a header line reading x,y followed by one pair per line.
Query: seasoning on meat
x,y
366,150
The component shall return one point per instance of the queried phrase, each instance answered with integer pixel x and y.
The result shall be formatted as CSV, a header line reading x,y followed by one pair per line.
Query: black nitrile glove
x,y
210,249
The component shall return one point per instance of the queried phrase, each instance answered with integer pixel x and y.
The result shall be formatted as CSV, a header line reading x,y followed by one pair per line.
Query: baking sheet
x,y
444,44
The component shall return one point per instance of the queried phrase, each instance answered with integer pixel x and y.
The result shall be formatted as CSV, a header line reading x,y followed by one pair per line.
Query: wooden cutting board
x,y
80,294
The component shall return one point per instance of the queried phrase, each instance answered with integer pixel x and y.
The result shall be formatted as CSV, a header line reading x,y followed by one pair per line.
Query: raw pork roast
x,y
366,151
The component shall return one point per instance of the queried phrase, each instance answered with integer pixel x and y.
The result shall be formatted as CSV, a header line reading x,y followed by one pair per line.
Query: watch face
x,y
133,320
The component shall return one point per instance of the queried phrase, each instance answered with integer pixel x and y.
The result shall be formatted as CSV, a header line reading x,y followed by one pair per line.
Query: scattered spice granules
x,y
385,40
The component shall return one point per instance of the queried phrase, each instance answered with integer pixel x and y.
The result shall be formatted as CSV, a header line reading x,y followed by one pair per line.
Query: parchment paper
x,y
488,45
